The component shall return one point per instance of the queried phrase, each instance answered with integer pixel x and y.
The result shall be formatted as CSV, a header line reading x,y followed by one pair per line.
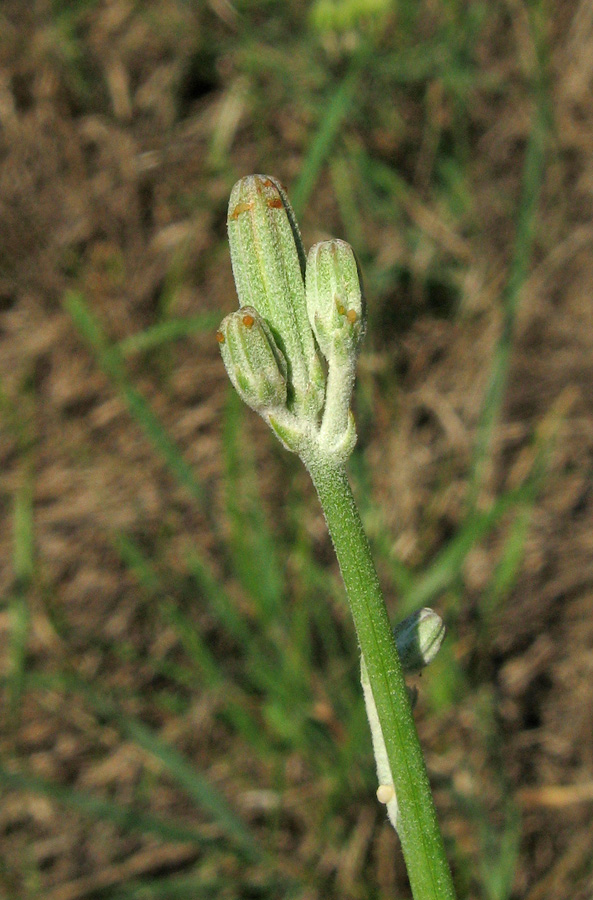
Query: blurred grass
x,y
20,616
336,107
111,361
526,219
129,819
170,330
288,670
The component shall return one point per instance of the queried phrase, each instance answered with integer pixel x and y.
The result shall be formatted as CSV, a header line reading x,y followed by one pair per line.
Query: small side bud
x,y
335,304
418,639
253,360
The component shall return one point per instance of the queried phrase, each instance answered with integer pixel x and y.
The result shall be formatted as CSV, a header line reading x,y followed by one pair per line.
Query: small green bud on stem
x,y
418,639
335,303
336,311
253,360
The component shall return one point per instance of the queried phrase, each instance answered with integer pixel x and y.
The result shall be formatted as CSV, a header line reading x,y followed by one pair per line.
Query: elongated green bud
x,y
418,639
335,303
335,307
253,360
268,264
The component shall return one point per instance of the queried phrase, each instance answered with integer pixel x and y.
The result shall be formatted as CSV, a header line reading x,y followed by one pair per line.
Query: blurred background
x,y
181,715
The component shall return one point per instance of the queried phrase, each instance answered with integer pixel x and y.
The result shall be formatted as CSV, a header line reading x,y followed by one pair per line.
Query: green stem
x,y
338,391
422,844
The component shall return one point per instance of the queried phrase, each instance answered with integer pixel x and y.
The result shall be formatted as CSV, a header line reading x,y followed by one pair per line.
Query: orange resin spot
x,y
267,182
248,321
240,208
275,203
220,337
351,316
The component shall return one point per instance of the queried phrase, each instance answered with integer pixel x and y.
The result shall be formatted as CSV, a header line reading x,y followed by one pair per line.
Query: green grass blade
x,y
445,568
236,709
170,330
196,884
343,182
194,784
253,546
219,603
111,361
511,558
335,109
170,612
126,817
374,524
261,659
192,642
19,612
500,853
23,557
533,175
187,887
509,563
137,563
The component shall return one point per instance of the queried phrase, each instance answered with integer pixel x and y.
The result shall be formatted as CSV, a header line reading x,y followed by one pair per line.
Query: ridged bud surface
x,y
253,360
335,303
268,261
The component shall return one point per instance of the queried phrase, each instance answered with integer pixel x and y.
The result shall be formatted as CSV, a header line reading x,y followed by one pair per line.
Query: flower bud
x,y
268,264
253,360
418,639
335,304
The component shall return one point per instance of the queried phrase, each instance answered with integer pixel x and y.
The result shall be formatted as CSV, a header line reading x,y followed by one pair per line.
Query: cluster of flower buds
x,y
293,311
